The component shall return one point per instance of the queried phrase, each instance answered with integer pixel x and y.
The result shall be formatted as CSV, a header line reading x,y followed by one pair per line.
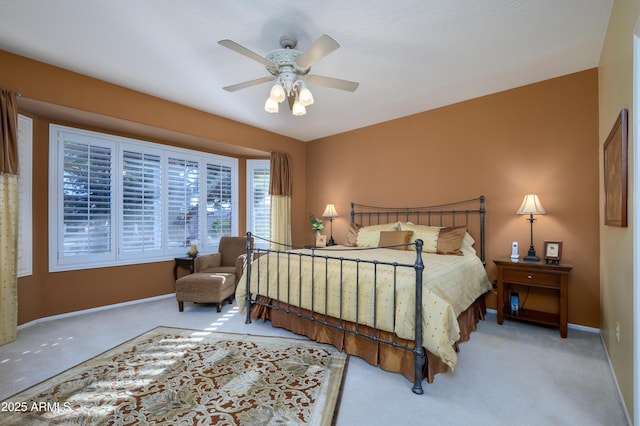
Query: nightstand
x,y
186,262
538,274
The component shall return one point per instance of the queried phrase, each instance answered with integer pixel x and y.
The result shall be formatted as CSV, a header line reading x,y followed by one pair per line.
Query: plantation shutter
x,y
182,201
259,199
219,202
141,202
87,205
25,142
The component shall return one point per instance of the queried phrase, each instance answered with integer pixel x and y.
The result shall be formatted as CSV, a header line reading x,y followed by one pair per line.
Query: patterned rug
x,y
176,376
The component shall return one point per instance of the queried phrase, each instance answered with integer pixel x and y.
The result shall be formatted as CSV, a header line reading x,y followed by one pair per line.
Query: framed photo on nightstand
x,y
552,252
321,240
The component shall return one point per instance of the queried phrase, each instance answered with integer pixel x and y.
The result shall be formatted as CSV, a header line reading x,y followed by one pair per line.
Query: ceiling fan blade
x,y
230,44
249,83
318,50
334,83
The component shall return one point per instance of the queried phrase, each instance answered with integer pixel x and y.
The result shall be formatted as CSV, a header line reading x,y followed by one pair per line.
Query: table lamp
x,y
330,212
531,205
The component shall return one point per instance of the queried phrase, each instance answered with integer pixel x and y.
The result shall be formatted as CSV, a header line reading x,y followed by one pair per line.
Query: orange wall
x,y
44,293
541,138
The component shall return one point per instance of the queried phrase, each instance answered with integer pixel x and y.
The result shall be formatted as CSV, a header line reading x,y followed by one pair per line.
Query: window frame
x,y
120,144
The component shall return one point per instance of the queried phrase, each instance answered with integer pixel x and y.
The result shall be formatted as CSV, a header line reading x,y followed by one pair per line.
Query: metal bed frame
x,y
436,215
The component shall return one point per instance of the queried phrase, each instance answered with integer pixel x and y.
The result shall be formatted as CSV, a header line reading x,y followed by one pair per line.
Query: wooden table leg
x,y
564,306
500,307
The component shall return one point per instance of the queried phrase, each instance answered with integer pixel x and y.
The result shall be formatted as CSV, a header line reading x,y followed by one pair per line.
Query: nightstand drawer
x,y
531,277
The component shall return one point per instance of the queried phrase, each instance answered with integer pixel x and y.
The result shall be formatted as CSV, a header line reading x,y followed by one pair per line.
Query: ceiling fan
x,y
290,70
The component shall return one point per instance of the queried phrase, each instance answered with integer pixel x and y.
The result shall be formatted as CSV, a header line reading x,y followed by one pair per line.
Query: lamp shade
x,y
305,97
531,205
298,109
330,211
271,106
277,93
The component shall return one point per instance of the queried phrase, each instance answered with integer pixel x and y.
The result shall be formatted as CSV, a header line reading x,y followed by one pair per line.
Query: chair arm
x,y
240,266
207,261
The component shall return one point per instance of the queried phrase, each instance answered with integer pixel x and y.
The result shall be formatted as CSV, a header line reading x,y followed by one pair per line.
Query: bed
x,y
405,288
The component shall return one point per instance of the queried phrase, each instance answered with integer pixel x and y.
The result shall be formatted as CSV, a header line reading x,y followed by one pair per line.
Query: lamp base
x,y
531,256
331,242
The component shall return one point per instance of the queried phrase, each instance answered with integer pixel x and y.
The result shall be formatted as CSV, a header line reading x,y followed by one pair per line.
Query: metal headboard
x,y
448,214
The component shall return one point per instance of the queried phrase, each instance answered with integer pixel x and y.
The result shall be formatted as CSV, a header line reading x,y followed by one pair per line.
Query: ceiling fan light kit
x,y
290,70
277,93
305,97
285,89
270,105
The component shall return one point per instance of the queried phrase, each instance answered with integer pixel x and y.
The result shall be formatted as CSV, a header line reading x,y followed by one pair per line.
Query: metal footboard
x,y
319,314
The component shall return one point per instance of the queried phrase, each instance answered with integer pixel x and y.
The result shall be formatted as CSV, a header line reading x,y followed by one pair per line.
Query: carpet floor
x,y
515,373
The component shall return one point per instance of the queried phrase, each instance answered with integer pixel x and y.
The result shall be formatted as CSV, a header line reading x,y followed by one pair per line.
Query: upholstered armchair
x,y
229,258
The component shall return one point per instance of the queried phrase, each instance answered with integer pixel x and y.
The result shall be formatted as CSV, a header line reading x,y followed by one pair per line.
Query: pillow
x,y
428,235
368,236
352,235
468,239
392,238
404,223
450,240
467,244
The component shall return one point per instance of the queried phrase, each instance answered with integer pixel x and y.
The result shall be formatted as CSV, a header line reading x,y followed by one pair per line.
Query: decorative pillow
x,y
404,223
468,239
467,244
450,240
392,238
352,235
428,235
368,236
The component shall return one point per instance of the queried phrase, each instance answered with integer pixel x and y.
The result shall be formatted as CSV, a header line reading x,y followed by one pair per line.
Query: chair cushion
x,y
221,270
206,262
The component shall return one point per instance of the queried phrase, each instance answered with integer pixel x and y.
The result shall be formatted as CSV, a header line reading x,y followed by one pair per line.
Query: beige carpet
x,y
179,376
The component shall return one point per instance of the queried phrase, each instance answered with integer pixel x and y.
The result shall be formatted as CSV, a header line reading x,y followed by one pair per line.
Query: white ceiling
x,y
408,55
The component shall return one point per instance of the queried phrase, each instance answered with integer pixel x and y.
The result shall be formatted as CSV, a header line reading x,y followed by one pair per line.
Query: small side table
x,y
186,262
538,274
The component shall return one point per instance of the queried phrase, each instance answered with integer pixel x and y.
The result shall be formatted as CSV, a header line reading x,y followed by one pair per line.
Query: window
x,y
86,199
183,201
259,200
25,234
141,202
116,200
219,199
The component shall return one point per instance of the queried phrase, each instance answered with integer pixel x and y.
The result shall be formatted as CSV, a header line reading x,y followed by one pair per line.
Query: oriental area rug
x,y
171,376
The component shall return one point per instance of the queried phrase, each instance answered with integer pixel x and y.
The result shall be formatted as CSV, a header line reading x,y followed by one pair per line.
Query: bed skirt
x,y
376,353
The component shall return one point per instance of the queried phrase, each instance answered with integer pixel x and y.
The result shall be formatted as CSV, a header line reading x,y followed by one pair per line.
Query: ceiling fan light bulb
x,y
305,97
298,109
277,93
271,106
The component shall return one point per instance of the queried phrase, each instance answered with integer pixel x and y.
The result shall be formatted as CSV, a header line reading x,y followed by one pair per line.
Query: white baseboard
x,y
88,311
570,325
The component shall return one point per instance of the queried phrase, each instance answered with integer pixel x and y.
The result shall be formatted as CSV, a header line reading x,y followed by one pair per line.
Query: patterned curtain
x,y
280,189
8,217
